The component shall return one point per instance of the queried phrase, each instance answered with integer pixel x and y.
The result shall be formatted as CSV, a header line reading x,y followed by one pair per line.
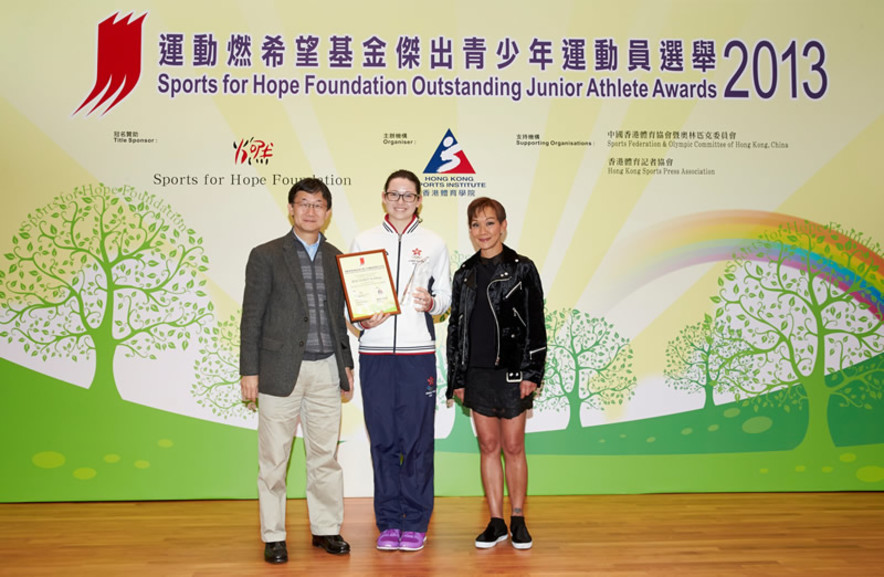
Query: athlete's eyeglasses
x,y
393,196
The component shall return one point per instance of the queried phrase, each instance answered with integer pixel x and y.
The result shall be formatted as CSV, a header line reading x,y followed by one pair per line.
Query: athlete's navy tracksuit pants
x,y
399,402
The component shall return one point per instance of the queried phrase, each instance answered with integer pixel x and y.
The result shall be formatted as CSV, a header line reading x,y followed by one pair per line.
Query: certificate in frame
x,y
368,284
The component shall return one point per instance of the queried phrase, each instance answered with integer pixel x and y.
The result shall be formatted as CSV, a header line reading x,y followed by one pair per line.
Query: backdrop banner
x,y
696,182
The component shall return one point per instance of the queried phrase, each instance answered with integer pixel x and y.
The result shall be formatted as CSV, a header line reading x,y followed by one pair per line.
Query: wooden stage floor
x,y
838,534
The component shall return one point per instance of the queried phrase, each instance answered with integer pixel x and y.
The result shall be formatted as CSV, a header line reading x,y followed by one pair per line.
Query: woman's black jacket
x,y
516,297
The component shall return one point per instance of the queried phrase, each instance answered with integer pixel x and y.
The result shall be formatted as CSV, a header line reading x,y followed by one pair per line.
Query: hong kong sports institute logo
x,y
118,67
449,174
449,158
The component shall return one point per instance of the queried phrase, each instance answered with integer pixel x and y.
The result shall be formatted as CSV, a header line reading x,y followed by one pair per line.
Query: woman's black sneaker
x,y
494,533
521,538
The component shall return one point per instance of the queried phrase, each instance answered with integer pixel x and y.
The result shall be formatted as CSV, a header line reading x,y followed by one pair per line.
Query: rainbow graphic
x,y
717,236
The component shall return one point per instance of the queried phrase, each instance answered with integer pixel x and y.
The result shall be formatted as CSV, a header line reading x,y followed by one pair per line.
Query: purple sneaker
x,y
389,540
412,541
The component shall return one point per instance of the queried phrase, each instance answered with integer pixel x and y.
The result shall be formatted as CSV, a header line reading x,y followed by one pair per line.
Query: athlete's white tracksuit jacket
x,y
419,255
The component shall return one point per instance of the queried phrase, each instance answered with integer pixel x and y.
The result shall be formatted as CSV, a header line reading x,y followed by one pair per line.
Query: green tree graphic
x,y
587,362
217,371
103,269
707,358
781,296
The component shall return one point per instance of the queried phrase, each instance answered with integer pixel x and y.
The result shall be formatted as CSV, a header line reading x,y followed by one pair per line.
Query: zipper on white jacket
x,y
398,270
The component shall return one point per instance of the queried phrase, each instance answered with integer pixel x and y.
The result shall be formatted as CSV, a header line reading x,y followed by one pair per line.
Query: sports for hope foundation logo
x,y
118,61
451,174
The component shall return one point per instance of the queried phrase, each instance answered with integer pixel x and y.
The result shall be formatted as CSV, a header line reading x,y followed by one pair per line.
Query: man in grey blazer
x,y
295,361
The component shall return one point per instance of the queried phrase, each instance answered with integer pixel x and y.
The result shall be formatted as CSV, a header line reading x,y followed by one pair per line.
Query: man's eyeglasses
x,y
305,206
393,196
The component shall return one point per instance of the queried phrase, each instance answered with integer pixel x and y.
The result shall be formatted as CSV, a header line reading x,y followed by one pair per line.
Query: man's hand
x,y
346,396
248,385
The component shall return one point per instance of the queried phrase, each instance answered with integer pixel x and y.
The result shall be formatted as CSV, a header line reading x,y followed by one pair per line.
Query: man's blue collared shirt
x,y
310,248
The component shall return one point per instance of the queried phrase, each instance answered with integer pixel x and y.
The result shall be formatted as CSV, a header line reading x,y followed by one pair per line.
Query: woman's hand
x,y
423,300
527,388
374,320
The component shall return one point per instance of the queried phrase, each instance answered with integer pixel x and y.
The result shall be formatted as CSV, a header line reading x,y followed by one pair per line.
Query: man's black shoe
x,y
333,544
275,552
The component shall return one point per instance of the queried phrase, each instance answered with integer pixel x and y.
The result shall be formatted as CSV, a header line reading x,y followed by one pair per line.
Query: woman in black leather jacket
x,y
496,357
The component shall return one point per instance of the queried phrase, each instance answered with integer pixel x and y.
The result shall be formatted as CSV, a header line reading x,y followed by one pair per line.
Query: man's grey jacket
x,y
273,330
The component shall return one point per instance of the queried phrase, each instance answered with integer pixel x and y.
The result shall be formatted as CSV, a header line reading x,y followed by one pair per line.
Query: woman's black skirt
x,y
495,393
